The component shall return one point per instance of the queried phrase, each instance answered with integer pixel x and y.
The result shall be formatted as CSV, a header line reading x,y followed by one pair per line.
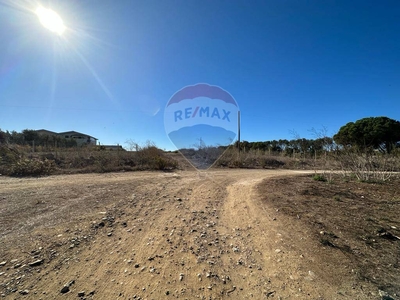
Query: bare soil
x,y
219,234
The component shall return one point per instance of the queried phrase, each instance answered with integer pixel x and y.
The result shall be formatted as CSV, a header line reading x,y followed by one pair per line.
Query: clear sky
x,y
291,65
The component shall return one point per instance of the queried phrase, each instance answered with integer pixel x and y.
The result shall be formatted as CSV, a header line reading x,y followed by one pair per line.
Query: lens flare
x,y
50,20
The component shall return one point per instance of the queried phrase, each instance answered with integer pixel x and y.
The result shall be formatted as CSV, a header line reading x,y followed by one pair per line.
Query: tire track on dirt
x,y
185,235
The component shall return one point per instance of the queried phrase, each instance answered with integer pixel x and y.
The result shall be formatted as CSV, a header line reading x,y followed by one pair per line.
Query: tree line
x,y
28,137
380,134
290,147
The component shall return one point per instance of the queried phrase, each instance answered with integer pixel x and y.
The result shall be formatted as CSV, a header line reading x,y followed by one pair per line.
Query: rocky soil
x,y
153,235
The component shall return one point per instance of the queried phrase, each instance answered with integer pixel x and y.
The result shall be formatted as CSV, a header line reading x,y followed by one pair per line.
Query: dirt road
x,y
149,235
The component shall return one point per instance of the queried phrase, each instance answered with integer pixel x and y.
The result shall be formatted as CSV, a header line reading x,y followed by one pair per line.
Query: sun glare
x,y
50,20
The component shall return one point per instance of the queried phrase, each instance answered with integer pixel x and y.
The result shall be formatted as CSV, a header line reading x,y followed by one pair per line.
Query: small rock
x,y
81,294
3,263
270,294
385,295
36,263
24,292
71,283
65,289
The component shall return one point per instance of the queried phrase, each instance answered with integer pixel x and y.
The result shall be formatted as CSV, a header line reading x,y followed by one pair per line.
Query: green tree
x,y
380,133
30,135
3,137
16,138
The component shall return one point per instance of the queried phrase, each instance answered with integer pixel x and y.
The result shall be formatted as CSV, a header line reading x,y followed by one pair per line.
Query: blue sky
x,y
290,65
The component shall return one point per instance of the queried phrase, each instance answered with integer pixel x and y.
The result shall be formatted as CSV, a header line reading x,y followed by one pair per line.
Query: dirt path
x,y
146,235
293,266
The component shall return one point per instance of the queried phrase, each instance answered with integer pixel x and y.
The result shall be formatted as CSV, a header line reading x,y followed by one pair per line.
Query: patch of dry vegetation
x,y
18,161
260,159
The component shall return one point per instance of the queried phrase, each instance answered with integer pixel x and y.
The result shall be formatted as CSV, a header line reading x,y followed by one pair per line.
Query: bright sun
x,y
51,20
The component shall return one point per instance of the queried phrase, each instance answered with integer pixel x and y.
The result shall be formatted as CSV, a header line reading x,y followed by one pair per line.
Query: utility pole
x,y
239,132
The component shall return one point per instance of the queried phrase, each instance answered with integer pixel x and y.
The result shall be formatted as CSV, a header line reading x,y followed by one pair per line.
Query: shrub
x,y
367,165
8,153
19,161
318,177
270,162
8,157
32,167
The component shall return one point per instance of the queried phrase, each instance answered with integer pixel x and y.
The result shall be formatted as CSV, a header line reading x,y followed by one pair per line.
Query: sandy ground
x,y
153,235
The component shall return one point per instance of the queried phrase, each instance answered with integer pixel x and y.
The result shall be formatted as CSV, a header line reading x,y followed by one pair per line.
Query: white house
x,y
80,138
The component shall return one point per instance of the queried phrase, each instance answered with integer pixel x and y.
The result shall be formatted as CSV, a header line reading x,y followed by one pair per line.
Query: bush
x,y
251,159
8,154
33,167
270,162
319,177
18,160
150,157
8,157
367,165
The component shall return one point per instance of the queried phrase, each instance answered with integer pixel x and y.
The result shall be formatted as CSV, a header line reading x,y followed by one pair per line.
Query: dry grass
x,y
16,161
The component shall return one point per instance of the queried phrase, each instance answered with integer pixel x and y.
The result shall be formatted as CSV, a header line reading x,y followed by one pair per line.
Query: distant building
x,y
47,132
80,138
